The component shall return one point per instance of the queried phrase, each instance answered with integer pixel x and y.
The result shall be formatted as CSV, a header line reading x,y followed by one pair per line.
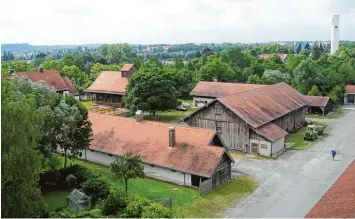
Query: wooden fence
x,y
205,186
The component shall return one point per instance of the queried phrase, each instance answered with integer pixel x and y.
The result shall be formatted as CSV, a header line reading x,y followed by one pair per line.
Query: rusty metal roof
x,y
271,132
350,89
109,82
265,104
150,140
318,101
221,89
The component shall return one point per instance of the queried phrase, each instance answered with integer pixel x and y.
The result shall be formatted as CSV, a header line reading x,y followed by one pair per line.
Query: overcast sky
x,y
52,22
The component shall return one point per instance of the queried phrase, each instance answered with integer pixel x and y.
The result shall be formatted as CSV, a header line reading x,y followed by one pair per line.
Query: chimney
x,y
171,137
41,69
139,115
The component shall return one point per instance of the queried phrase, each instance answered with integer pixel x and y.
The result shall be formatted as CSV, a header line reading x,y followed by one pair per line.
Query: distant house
x,y
300,46
110,87
254,121
283,57
205,91
173,153
319,105
349,96
52,79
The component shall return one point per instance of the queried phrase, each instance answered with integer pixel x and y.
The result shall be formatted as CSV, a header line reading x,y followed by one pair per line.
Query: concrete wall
x,y
278,145
194,104
150,170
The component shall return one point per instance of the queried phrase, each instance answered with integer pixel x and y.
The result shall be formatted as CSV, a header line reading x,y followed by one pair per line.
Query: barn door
x,y
254,148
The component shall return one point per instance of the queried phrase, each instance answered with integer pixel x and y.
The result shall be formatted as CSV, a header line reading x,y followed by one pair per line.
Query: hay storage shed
x,y
78,200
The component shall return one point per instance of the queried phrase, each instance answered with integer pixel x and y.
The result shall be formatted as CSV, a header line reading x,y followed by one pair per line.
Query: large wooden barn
x,y
254,121
206,91
110,87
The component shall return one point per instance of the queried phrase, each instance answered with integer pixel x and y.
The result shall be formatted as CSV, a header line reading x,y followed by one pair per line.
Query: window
x,y
110,155
264,146
151,165
92,150
173,170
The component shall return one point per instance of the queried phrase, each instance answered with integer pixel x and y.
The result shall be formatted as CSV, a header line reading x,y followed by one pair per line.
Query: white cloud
x,y
172,21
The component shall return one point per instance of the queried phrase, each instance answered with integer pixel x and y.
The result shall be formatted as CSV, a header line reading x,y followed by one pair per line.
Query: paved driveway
x,y
293,184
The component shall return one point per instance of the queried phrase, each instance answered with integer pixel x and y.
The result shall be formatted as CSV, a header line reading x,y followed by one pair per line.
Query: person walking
x,y
333,154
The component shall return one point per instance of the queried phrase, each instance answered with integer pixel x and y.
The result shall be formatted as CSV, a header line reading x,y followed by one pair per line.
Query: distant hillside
x,y
25,47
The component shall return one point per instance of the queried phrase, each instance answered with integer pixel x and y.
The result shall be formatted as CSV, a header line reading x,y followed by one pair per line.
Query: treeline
x,y
329,74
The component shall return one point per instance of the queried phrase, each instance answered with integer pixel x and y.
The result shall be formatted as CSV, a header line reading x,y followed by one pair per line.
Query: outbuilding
x,y
319,105
179,154
349,97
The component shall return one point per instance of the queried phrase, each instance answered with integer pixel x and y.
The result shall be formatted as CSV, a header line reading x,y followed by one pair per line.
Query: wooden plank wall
x,y
289,121
233,130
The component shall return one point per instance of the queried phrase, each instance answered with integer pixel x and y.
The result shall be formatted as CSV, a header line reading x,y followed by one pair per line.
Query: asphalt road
x,y
293,184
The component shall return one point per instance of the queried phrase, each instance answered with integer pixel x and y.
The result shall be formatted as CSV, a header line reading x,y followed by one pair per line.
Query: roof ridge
x,y
156,122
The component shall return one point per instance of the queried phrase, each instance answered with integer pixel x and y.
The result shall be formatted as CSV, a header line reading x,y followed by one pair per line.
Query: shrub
x,y
95,213
64,213
155,210
97,188
135,207
115,202
53,163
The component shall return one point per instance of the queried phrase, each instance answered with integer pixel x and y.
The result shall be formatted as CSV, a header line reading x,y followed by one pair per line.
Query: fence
x,y
165,201
205,186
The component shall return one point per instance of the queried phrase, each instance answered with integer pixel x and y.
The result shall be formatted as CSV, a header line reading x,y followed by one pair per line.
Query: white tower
x,y
334,40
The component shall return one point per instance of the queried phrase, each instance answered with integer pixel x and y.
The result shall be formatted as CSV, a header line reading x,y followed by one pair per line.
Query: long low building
x,y
205,91
254,121
178,154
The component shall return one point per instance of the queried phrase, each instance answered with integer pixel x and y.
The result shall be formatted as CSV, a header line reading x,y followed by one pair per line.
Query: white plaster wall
x,y
278,145
200,99
65,92
151,171
262,151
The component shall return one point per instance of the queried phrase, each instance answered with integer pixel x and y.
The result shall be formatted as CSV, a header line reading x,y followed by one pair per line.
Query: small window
x,y
110,155
173,170
92,150
151,165
264,146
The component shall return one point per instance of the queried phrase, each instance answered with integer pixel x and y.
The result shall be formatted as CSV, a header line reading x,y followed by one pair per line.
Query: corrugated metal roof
x,y
221,89
350,88
109,82
150,140
318,101
262,105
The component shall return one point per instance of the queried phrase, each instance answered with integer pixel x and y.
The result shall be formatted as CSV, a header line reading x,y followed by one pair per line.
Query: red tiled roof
x,y
126,67
150,140
271,132
109,82
221,89
69,85
318,101
267,56
51,78
265,104
350,88
339,200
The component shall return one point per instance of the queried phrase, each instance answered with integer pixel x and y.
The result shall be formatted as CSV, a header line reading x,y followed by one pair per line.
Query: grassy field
x,y
149,188
56,199
216,202
87,103
332,115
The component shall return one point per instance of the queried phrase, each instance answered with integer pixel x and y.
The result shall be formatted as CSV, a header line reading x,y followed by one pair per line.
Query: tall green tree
x,y
20,161
315,52
216,70
128,167
150,89
314,91
80,79
274,76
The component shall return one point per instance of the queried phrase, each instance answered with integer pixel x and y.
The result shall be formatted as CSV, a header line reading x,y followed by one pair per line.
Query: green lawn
x,y
56,199
216,202
87,103
149,188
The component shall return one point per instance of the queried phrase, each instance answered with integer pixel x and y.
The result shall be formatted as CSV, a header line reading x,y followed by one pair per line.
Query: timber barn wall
x,y
291,120
232,129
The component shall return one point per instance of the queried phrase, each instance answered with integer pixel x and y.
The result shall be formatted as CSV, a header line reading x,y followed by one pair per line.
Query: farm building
x,y
173,153
109,88
254,121
205,91
319,105
51,78
349,96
